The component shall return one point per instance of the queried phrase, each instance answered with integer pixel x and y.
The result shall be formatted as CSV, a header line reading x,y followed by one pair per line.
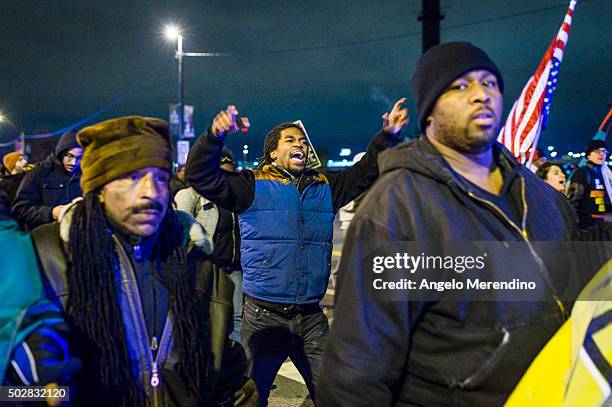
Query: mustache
x,y
148,206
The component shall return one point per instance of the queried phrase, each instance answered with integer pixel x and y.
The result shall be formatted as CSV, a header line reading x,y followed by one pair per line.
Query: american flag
x,y
530,111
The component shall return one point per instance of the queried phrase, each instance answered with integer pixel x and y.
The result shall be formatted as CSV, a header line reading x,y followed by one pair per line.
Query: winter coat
x,y
26,316
214,291
587,194
404,352
10,184
276,265
43,188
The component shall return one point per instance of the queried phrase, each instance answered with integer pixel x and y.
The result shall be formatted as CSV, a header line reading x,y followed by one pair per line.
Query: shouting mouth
x,y
298,157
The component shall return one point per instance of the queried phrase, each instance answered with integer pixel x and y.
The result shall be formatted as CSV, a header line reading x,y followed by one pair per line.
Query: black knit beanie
x,y
594,145
440,66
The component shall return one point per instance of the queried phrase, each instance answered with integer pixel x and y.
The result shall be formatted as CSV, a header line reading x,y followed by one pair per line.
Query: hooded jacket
x,y
47,186
407,352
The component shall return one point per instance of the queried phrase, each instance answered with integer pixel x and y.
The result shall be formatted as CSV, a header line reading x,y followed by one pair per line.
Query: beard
x,y
466,139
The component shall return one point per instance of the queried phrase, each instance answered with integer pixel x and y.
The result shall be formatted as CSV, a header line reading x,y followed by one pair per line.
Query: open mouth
x,y
298,157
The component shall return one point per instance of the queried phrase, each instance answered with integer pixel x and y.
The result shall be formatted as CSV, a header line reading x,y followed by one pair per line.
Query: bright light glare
x,y
1,117
172,32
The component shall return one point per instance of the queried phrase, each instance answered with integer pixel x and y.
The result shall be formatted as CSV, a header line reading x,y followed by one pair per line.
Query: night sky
x,y
336,65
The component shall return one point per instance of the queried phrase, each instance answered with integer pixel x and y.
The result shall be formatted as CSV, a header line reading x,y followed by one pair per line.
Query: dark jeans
x,y
236,277
269,338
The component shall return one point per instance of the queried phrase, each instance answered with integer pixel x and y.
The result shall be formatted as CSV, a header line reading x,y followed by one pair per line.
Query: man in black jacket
x,y
148,326
408,344
45,191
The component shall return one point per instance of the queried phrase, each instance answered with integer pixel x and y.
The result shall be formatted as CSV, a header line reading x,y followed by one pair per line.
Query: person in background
x,y
16,165
590,187
223,226
34,347
553,174
178,180
46,190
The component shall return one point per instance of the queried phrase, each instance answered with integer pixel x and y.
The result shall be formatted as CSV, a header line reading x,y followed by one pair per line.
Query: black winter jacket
x,y
438,353
10,185
43,188
227,381
587,194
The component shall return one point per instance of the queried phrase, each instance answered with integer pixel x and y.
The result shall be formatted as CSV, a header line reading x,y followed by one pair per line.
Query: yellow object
x,y
574,369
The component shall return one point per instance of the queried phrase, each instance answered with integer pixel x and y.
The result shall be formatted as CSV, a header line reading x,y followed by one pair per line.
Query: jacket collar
x,y
422,157
193,233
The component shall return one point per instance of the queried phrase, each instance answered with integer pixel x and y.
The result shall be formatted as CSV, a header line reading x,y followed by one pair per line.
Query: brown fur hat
x,y
115,147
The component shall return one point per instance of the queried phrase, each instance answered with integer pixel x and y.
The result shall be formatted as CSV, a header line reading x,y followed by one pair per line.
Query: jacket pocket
x,y
488,365
53,194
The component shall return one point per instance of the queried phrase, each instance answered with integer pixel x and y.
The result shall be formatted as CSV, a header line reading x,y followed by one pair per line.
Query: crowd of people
x,y
136,287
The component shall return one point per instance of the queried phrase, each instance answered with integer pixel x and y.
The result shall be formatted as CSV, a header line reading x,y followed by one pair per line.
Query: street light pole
x,y
173,32
179,56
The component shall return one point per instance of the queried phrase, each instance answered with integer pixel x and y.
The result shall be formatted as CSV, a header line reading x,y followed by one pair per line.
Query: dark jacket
x,y
461,353
226,241
587,194
237,192
10,185
214,290
47,186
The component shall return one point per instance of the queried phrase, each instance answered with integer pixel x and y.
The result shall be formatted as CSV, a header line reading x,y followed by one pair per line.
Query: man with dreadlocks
x,y
286,216
149,326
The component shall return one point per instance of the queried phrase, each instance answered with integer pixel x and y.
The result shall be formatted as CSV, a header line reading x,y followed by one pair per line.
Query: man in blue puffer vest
x,y
286,215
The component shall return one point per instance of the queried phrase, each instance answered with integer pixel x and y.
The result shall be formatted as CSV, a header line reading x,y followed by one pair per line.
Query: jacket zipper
x,y
70,179
138,319
525,237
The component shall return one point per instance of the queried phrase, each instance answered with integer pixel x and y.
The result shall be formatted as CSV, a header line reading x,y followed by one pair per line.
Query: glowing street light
x,y
174,33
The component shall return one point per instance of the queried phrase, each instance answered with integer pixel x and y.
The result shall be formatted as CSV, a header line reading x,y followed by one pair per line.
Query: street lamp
x,y
173,32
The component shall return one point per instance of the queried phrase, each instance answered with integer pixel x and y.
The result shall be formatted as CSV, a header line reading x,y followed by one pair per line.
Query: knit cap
x,y
440,66
116,147
10,160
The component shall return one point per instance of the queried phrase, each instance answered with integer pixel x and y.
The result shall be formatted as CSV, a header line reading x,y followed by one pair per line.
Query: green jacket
x,y
20,291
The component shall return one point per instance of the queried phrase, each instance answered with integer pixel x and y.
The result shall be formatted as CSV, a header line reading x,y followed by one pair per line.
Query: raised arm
x,y
349,184
233,191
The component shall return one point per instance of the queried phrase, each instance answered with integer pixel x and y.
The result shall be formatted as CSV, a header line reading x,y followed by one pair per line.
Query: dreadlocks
x,y
93,309
271,141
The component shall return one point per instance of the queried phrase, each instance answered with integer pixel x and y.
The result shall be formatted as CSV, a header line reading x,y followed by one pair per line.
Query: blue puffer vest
x,y
287,239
